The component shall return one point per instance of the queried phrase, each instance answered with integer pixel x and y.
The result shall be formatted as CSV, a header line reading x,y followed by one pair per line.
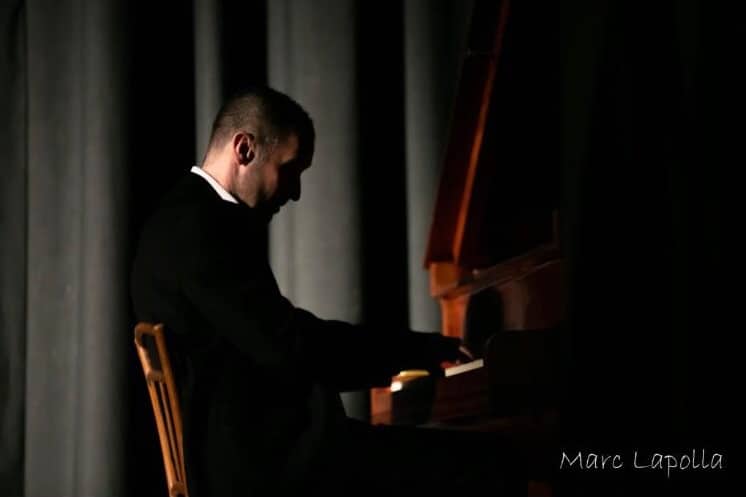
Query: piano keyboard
x,y
463,368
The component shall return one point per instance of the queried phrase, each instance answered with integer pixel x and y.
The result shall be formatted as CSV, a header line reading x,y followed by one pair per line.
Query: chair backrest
x,y
151,348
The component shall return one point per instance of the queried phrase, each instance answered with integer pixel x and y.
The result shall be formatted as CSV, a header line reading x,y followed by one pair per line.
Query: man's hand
x,y
465,355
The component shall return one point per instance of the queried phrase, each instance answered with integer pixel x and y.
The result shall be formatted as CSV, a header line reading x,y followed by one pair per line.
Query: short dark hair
x,y
267,113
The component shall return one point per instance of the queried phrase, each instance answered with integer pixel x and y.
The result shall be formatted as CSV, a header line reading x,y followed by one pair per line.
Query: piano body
x,y
493,254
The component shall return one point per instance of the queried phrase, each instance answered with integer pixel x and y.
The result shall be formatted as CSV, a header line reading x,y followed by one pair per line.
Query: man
x,y
259,378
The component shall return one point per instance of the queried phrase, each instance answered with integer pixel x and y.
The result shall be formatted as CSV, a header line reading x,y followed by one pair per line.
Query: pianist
x,y
259,378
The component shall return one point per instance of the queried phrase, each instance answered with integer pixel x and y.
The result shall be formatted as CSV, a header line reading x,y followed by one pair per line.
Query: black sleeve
x,y
223,278
354,357
236,293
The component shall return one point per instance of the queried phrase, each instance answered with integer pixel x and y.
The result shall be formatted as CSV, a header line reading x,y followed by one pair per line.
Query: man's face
x,y
278,176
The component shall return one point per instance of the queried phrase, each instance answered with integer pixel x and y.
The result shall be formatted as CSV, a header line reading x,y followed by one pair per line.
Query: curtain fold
x,y
435,39
208,62
77,321
13,219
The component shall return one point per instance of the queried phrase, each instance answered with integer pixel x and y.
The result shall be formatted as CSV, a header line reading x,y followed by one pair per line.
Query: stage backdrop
x,y
104,104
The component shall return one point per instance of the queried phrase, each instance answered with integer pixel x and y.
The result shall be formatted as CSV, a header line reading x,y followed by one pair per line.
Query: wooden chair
x,y
151,348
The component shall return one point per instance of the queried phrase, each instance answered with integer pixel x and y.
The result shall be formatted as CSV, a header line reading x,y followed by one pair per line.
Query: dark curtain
x,y
13,220
650,338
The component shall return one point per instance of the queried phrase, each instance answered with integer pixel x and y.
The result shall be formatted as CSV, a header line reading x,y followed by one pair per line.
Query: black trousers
x,y
391,460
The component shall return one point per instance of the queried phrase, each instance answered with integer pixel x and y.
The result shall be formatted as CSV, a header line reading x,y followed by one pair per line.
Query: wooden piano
x,y
494,256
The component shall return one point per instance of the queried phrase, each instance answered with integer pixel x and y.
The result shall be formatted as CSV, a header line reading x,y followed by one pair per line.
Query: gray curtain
x,y
64,224
86,88
76,315
434,42
208,75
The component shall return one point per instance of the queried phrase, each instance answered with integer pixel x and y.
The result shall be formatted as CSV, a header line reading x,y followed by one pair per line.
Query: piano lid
x,y
498,191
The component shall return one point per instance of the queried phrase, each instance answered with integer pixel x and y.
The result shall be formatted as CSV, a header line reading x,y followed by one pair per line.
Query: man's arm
x,y
239,298
353,357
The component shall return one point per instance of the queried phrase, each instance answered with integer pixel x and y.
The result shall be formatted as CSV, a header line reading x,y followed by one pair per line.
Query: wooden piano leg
x,y
453,311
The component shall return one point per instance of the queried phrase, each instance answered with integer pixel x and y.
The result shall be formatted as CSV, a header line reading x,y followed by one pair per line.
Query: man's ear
x,y
244,148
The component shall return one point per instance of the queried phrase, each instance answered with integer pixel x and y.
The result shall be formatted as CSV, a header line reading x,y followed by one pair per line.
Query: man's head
x,y
261,142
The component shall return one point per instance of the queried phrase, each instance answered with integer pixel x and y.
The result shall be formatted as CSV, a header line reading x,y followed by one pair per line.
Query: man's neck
x,y
219,174
219,188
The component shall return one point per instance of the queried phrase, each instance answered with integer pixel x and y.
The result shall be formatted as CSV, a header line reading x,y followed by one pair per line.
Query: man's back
x,y
199,269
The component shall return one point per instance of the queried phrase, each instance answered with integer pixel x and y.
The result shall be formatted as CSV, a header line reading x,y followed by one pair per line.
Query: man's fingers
x,y
466,352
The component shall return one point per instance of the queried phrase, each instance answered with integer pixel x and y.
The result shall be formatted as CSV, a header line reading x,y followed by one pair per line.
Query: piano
x,y
494,256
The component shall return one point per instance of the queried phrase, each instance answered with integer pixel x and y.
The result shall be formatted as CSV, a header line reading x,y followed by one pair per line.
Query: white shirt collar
x,y
215,185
